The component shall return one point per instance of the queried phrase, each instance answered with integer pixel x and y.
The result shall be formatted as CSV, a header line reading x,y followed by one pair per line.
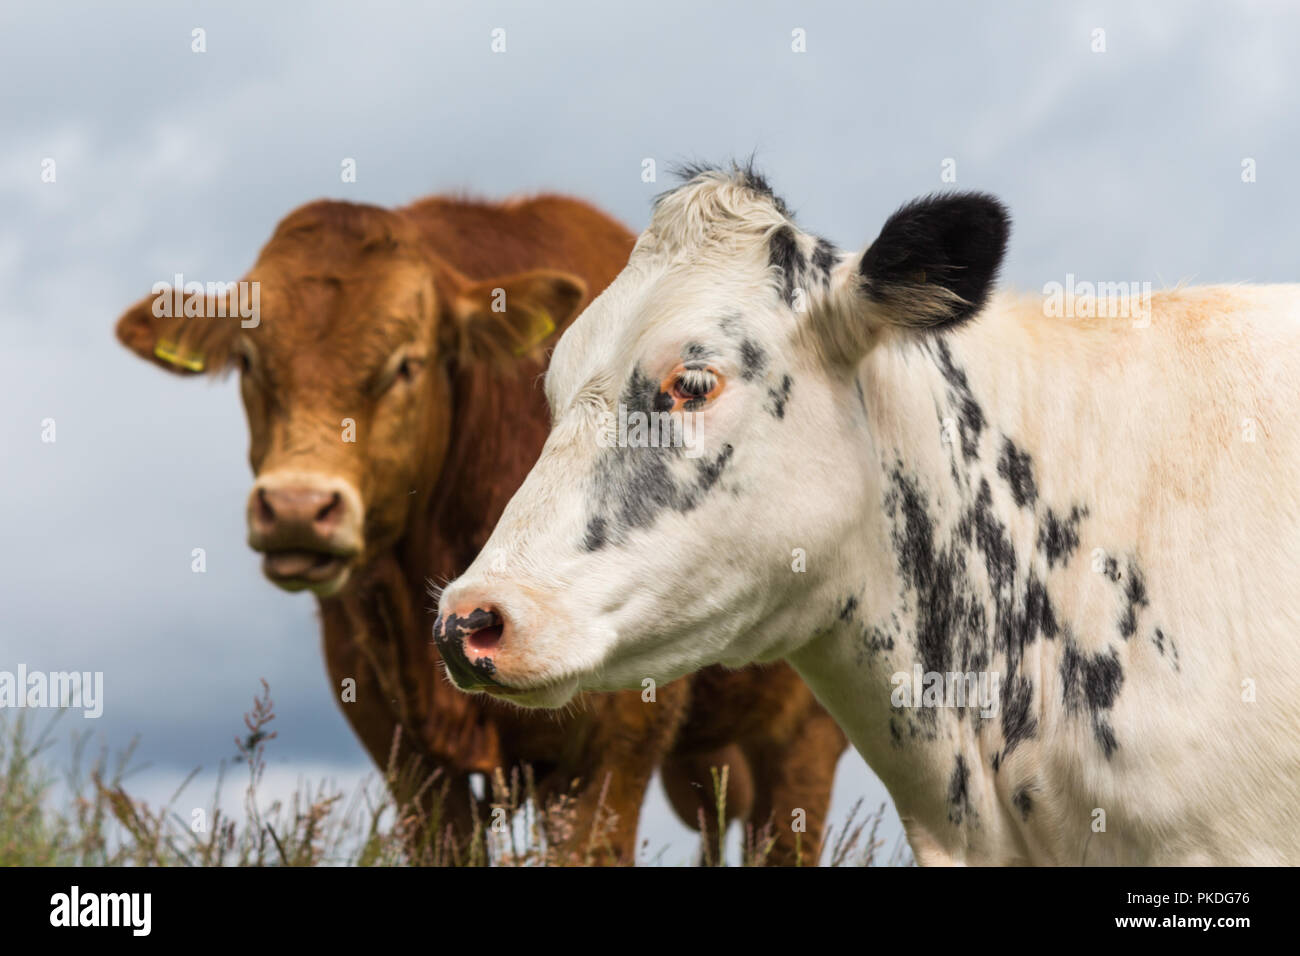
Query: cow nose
x,y
468,637
306,508
304,515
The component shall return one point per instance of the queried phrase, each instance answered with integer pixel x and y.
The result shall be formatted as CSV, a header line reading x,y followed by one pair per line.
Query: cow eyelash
x,y
405,371
694,385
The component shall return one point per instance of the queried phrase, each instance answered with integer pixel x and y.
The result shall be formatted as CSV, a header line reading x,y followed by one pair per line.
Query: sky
x,y
1160,149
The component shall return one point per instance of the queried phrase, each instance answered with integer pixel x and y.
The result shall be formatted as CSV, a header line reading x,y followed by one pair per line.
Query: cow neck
x,y
498,425
388,618
383,620
939,582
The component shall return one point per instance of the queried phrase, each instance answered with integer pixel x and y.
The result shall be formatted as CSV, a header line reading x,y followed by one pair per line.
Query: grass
x,y
94,821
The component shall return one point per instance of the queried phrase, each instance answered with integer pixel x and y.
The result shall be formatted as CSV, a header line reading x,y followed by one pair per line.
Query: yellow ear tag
x,y
171,354
543,326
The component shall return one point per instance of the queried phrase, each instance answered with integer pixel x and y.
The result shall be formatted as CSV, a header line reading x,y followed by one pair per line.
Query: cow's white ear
x,y
932,267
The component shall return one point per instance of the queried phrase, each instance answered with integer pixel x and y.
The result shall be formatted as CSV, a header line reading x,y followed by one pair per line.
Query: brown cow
x,y
389,374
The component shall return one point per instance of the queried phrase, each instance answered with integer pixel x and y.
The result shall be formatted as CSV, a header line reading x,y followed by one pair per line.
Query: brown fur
x,y
342,287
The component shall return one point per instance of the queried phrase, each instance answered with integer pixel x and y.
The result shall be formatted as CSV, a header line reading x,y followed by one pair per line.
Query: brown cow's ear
x,y
185,345
510,317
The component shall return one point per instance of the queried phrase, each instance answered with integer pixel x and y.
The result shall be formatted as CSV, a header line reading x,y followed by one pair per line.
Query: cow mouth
x,y
296,569
546,697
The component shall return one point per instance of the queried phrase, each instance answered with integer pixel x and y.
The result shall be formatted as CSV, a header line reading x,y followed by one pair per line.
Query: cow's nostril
x,y
265,513
330,508
485,638
468,639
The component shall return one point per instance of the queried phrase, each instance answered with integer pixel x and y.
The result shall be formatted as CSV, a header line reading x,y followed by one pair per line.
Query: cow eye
x,y
694,385
243,357
405,371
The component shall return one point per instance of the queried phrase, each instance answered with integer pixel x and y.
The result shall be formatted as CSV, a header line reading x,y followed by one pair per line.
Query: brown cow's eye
x,y
405,371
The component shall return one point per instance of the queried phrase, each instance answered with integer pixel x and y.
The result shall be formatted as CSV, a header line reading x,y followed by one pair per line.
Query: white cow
x,y
918,492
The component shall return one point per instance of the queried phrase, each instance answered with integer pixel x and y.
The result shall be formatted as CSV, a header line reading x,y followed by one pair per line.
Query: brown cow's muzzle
x,y
309,527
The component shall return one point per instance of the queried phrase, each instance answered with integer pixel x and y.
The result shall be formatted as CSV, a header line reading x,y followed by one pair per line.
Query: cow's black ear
x,y
935,260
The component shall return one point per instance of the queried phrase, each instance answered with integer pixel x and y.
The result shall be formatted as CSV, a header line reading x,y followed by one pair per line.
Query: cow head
x,y
620,559
343,334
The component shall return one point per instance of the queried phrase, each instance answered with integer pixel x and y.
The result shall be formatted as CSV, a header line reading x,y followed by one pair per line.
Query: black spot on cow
x,y
753,360
778,397
869,642
1105,735
1090,683
1022,801
872,641
1038,616
956,625
709,471
961,623
1018,724
1058,538
1135,596
969,414
958,797
970,421
1112,570
640,392
695,352
632,486
1016,469
993,541
784,253
937,575
595,538
823,260
1161,640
